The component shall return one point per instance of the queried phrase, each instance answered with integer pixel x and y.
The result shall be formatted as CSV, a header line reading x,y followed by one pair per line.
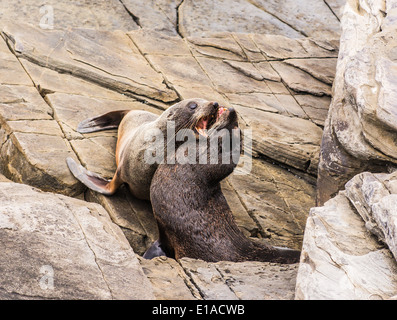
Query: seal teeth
x,y
220,111
202,125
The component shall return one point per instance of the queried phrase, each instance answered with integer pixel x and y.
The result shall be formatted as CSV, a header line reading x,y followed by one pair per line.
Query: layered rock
x,y
196,279
185,17
287,18
374,196
56,247
340,258
360,130
94,14
121,68
349,247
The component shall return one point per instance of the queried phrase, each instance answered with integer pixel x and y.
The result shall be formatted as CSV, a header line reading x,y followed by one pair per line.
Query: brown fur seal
x,y
133,127
192,214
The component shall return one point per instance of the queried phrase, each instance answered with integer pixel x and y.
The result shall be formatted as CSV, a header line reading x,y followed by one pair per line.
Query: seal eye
x,y
193,106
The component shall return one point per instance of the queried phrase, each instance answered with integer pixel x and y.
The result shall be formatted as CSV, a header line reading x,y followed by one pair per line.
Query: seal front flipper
x,y
106,121
92,180
154,251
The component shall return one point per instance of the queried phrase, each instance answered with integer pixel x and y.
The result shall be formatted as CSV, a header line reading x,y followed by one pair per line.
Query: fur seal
x,y
192,213
132,169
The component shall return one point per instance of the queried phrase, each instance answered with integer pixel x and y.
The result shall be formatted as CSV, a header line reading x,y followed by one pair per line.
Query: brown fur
x,y
194,218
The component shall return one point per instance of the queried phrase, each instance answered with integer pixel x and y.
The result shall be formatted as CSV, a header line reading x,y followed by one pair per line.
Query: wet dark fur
x,y
194,218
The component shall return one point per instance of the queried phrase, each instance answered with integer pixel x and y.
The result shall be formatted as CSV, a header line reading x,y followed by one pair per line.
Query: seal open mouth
x,y
204,123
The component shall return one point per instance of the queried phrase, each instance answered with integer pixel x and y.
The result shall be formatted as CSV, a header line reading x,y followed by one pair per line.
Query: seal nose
x,y
215,105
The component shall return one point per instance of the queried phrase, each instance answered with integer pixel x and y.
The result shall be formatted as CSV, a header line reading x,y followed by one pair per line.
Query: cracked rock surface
x,y
340,259
360,130
349,247
49,235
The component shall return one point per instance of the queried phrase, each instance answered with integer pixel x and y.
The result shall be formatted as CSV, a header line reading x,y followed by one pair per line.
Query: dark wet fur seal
x,y
194,218
131,143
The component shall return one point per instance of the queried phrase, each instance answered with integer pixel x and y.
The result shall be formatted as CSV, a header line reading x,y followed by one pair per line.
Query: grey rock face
x,y
360,130
341,260
56,247
349,247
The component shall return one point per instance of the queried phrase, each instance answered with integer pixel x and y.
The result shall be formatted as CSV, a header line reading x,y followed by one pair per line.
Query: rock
x,y
169,280
336,6
99,14
237,16
316,108
39,160
121,68
242,217
133,216
310,18
284,103
300,81
289,140
288,18
33,148
4,179
277,199
277,47
321,69
359,133
189,279
49,241
243,280
23,103
11,71
154,15
49,81
340,259
156,43
173,17
259,281
374,196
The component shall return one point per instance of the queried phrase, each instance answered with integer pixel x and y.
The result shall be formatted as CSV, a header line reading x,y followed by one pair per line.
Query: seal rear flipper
x,y
154,251
106,121
92,180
